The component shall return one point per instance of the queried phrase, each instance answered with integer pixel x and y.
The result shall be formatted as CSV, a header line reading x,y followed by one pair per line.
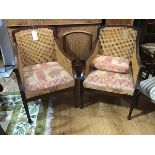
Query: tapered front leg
x,y
76,93
130,111
81,94
134,103
2,132
27,112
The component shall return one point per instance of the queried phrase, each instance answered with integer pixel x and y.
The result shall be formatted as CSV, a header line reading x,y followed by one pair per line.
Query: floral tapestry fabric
x,y
46,75
110,63
110,82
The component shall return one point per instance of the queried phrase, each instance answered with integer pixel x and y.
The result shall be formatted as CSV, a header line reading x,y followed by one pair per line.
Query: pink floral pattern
x,y
110,81
46,75
111,64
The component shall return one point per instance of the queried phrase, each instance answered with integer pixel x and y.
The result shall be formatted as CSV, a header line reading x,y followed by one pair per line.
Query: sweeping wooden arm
x,y
137,67
140,77
19,64
20,69
93,52
63,58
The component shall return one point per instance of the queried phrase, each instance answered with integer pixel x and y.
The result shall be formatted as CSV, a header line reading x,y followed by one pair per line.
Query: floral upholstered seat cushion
x,y
111,64
46,75
110,82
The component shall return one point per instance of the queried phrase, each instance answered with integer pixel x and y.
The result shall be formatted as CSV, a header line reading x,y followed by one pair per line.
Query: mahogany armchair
x,y
42,67
115,41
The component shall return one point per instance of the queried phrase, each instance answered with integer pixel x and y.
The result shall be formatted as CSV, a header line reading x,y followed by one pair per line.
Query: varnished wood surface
x,y
102,116
65,25
78,43
119,21
27,22
76,46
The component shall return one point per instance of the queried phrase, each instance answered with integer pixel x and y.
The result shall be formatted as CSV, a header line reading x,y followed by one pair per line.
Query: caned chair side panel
x,y
38,51
135,66
20,69
63,60
93,55
117,41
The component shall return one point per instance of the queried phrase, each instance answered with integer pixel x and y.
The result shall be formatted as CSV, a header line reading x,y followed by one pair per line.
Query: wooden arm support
x,y
63,58
93,52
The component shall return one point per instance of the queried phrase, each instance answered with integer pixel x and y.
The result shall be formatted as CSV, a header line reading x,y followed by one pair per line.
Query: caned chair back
x,y
38,51
117,41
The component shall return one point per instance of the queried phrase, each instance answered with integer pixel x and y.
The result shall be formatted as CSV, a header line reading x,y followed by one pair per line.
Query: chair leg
x,y
76,100
130,111
81,93
23,95
134,103
27,112
1,99
2,132
153,74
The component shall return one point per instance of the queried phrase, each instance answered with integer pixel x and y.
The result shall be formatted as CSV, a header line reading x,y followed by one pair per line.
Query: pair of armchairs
x,y
43,68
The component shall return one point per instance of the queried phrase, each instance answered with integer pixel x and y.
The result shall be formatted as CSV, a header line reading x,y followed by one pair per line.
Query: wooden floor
x,y
102,115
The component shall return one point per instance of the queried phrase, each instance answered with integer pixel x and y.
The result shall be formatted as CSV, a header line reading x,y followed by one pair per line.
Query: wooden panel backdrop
x,y
65,25
72,40
27,22
119,21
62,26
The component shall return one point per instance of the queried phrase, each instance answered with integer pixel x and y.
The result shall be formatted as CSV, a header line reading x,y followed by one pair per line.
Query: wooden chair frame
x,y
86,71
25,100
77,63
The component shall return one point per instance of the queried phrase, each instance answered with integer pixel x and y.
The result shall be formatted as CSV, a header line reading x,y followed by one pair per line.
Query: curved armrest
x,y
139,77
63,58
93,53
137,68
19,80
19,65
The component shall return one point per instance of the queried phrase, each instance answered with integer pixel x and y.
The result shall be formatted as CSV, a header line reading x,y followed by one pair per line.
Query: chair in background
x,y
42,68
147,88
147,47
114,41
78,45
